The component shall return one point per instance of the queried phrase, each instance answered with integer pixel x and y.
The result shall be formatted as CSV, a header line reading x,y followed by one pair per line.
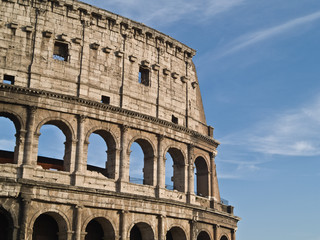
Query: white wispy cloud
x,y
292,133
265,34
163,12
7,144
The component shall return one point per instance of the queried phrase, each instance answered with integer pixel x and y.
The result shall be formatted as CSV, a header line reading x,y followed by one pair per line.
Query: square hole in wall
x,y
105,99
60,51
8,79
144,76
174,119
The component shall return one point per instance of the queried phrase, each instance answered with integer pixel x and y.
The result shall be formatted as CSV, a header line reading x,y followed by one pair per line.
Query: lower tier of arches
x,y
31,211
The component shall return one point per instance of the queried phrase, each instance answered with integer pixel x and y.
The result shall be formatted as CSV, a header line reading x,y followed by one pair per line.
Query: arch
x,y
7,225
148,159
8,155
67,130
179,164
99,228
59,216
141,231
50,226
15,118
176,233
201,177
110,140
224,237
61,123
203,235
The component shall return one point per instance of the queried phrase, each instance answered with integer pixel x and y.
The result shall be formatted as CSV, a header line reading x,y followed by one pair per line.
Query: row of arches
x,y
52,226
54,144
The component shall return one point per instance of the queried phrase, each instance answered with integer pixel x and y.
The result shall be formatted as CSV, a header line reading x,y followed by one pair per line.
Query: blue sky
x,y
258,68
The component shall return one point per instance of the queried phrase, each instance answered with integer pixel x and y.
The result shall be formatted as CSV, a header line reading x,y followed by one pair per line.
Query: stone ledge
x,y
98,105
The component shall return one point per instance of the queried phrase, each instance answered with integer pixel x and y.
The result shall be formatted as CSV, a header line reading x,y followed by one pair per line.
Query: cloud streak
x,y
164,12
262,35
292,133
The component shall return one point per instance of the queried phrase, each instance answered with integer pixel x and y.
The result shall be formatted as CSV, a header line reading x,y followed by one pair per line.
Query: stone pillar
x,y
213,176
78,222
123,224
123,166
79,151
18,150
161,235
192,229
233,234
190,172
29,136
160,164
216,229
24,210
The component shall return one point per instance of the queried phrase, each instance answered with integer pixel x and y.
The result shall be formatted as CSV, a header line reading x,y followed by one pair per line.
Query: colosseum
x,y
88,71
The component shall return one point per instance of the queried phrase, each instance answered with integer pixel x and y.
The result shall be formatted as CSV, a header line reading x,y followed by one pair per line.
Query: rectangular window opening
x,y
60,51
8,79
174,119
144,76
105,99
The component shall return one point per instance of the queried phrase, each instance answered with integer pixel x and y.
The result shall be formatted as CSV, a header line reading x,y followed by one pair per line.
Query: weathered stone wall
x,y
104,54
43,86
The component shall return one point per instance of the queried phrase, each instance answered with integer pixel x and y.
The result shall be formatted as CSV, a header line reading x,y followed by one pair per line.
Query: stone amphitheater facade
x,y
86,70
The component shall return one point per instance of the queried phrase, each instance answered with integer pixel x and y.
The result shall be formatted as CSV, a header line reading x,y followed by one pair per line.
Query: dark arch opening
x,y
7,140
203,236
6,225
99,228
135,233
45,228
178,168
102,153
94,231
176,233
201,177
141,162
141,231
223,238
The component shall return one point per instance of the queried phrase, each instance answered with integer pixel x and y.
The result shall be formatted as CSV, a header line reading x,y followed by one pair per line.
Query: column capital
x,y
213,154
81,118
124,128
32,109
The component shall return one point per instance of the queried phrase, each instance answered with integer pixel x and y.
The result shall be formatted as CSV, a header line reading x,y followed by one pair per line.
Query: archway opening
x,y
102,153
52,148
135,233
203,236
141,231
176,170
94,231
6,225
99,228
223,238
45,228
201,177
141,169
7,140
169,172
176,233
